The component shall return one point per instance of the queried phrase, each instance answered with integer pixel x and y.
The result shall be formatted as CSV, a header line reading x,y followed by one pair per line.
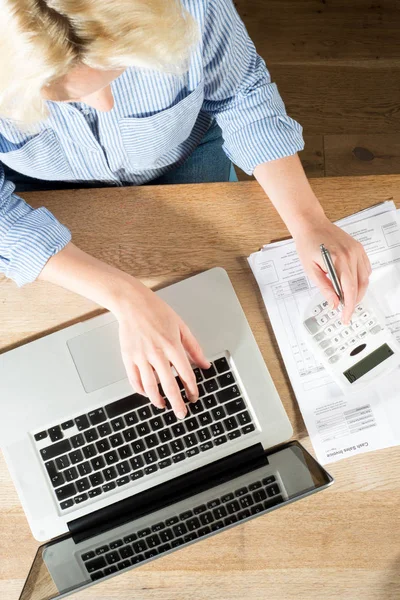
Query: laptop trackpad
x,y
97,357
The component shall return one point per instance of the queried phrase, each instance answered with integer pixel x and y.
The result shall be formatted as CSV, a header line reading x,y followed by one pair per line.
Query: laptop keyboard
x,y
113,446
180,529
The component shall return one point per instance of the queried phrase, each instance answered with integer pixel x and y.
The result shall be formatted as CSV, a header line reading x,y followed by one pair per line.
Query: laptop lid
x,y
289,471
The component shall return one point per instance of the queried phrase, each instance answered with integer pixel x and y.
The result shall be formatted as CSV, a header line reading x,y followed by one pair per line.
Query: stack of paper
x,y
339,424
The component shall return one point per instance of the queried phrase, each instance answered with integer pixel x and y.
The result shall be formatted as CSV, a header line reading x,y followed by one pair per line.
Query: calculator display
x,y
369,362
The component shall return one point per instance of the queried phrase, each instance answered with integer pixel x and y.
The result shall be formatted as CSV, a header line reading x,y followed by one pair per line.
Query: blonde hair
x,y
42,40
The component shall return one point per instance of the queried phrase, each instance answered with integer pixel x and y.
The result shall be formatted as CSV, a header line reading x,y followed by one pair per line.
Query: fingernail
x,y
332,306
193,398
181,415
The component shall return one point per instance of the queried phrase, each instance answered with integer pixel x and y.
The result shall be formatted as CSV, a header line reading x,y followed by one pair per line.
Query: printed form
x,y
339,424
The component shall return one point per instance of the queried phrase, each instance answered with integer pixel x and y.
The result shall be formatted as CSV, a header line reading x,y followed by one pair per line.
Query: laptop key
x,y
98,463
257,508
268,480
218,413
241,492
41,436
55,449
55,434
234,434
110,570
139,546
248,428
144,413
177,542
77,441
198,374
217,429
156,424
116,440
109,473
206,518
95,492
192,452
220,512
255,486
82,485
66,504
57,480
213,503
204,434
115,409
62,462
199,509
193,524
166,535
123,468
177,445
153,540
192,424
96,479
65,492
131,418
226,379
220,440
129,434
113,557
142,429
165,435
128,539
137,559
96,564
190,536
71,474
246,501
170,418
111,457
208,373
104,429
150,457
244,514
87,556
217,525
178,429
97,416
228,393
206,446
84,468
230,520
211,386
233,507
209,401
273,490
171,521
91,435
124,565
143,532
196,407
164,547
227,497
179,529
150,469
244,418
165,463
178,457
125,452
126,552
96,576
203,531
137,475
80,498
151,440
102,549
221,364
205,419
82,422
259,495
67,425
151,553
109,486
235,406
272,502
118,424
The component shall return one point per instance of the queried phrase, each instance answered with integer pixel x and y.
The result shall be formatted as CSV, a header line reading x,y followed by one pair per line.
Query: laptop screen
x,y
64,566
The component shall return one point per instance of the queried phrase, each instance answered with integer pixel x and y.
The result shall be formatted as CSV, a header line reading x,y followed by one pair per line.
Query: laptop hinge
x,y
168,493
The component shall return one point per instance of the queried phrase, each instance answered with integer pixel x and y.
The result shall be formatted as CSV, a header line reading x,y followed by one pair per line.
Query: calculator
x,y
355,354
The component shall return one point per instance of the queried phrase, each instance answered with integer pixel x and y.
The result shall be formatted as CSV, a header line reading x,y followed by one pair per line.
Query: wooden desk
x,y
343,543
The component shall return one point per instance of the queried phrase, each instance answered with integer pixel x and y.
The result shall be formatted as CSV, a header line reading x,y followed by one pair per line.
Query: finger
x,y
169,385
325,286
183,367
363,280
133,374
349,282
367,263
193,348
150,385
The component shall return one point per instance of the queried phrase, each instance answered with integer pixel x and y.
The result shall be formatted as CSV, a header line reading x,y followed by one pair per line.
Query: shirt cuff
x,y
263,140
29,243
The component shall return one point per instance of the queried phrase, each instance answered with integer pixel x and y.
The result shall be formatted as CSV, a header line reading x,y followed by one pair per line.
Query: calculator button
x,y
317,310
332,314
352,341
359,309
362,334
325,344
376,329
346,333
320,336
337,339
357,325
334,358
342,348
330,351
322,320
329,330
312,325
338,323
370,323
365,316
325,304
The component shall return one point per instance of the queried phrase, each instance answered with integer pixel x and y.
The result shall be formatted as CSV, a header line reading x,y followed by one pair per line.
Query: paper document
x,y
339,425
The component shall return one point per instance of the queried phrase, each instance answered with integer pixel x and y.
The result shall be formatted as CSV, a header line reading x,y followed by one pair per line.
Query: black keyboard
x,y
217,514
115,445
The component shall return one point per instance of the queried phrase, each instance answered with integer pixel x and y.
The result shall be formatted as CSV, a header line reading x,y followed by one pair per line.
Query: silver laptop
x,y
119,482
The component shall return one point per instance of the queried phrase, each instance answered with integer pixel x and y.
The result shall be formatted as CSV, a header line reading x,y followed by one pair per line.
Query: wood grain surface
x,y
343,543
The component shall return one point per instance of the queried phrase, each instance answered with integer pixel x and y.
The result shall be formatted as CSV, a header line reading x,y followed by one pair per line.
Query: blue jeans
x,y
208,163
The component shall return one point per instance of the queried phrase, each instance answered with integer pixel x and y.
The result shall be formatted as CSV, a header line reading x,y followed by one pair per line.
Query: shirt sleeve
x,y
239,93
28,237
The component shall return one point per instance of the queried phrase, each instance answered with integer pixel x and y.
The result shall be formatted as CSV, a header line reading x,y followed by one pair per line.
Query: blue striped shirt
x,y
157,121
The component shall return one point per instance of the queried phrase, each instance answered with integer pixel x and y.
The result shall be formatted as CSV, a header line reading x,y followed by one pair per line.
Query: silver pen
x,y
330,268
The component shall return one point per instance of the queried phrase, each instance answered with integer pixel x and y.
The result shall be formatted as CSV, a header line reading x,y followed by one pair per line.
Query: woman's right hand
x,y
154,338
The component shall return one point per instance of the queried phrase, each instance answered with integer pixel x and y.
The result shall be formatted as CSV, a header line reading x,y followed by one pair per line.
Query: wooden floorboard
x,y
361,154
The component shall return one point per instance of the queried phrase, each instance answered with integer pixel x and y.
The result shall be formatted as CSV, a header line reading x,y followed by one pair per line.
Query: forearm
x,y
286,185
77,271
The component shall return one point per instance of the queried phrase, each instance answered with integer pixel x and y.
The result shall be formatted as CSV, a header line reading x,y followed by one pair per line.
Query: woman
x,y
136,91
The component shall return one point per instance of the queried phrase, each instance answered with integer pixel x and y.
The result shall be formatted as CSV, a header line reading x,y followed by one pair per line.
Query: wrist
x,y
123,292
304,221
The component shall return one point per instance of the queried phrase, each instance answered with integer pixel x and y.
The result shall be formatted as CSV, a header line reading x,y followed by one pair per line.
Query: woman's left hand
x,y
351,262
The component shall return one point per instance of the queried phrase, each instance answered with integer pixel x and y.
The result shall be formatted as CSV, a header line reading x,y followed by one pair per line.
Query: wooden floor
x,y
337,66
